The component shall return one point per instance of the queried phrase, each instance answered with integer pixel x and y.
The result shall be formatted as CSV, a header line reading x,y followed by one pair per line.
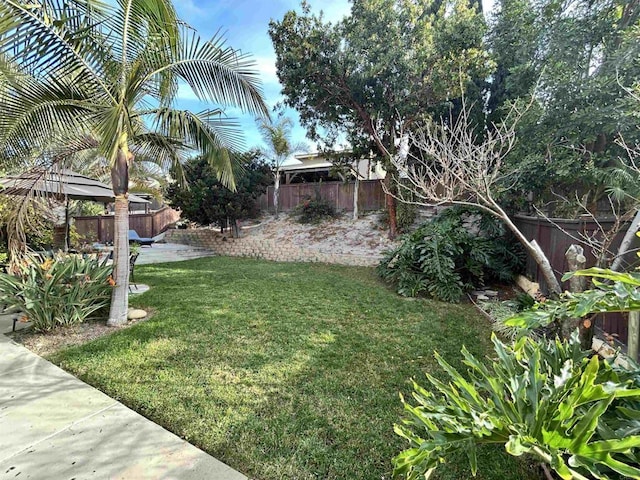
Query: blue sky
x,y
245,24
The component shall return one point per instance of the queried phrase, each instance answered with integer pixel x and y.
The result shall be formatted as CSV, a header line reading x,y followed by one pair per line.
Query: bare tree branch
x,y
449,164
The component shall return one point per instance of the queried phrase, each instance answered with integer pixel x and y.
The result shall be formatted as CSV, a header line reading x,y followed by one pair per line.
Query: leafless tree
x,y
448,163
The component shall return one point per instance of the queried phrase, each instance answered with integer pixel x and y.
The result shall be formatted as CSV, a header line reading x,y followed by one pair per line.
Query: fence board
x,y
101,228
555,242
339,194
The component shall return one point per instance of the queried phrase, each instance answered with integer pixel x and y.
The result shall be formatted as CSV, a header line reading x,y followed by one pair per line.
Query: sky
x,y
244,25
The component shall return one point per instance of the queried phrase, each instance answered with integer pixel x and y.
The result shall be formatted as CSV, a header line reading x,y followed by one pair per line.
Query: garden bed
x,y
64,337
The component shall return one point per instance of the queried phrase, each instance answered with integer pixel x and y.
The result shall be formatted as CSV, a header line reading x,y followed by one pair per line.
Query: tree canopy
x,y
578,59
208,201
379,70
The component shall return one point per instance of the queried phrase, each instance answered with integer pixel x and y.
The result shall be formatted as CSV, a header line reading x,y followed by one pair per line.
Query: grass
x,y
283,370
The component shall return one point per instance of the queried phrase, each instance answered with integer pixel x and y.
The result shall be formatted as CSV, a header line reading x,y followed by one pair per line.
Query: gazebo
x,y
63,185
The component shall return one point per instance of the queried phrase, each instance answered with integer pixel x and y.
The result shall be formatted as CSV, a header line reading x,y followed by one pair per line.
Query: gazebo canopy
x,y
61,184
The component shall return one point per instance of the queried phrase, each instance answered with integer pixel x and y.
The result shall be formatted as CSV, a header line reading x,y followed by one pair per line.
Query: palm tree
x,y
94,76
279,147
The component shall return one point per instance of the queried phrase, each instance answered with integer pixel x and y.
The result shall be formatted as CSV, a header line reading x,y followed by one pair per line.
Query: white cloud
x,y
267,68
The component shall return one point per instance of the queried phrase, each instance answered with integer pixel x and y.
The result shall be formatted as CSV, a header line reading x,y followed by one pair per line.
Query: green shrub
x,y
578,414
59,290
444,257
622,294
314,211
406,214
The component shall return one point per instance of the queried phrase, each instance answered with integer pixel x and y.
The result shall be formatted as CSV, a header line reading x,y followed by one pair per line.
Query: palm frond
x,y
54,39
40,113
139,22
166,153
217,73
205,132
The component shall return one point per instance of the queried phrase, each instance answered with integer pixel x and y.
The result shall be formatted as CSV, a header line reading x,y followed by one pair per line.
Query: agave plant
x,y
83,74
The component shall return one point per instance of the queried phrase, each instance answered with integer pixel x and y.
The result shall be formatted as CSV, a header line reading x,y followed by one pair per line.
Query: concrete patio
x,y
54,426
170,252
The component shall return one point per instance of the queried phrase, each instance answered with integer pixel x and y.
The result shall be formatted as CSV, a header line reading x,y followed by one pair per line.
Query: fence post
x,y
633,336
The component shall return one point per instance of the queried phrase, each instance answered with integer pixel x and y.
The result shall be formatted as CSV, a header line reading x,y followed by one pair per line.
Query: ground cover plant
x,y
314,211
284,370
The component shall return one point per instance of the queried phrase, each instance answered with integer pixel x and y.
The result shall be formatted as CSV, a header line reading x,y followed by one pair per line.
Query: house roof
x,y
307,167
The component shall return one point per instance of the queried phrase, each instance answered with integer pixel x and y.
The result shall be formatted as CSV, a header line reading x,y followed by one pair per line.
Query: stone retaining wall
x,y
264,248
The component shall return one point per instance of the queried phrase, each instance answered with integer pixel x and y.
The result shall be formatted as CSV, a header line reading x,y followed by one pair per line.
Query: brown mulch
x,y
44,344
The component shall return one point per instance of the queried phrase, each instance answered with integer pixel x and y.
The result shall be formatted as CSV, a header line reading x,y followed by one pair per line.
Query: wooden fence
x,y
101,228
339,194
555,236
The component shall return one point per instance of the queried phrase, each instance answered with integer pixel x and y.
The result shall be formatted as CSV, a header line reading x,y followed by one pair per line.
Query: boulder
x,y
136,314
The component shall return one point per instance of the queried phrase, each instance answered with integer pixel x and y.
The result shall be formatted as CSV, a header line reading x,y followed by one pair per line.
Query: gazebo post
x,y
67,239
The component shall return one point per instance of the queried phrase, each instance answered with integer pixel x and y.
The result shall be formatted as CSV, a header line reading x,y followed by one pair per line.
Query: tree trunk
x,y
391,207
626,242
120,185
120,294
577,261
356,189
276,193
534,250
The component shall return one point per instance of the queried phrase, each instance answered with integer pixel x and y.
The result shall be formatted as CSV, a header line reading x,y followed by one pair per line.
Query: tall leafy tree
x,y
576,58
389,64
94,76
207,200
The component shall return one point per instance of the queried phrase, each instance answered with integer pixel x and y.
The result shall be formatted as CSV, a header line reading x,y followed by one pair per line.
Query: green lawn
x,y
282,370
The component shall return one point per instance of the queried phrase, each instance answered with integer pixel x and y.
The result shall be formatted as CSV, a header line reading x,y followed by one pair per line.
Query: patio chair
x,y
135,238
132,265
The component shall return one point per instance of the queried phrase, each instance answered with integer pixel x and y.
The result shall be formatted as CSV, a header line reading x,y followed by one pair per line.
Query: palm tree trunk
x,y
120,294
276,192
120,184
356,188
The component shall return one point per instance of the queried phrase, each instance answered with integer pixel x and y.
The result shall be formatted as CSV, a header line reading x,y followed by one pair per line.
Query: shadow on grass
x,y
283,371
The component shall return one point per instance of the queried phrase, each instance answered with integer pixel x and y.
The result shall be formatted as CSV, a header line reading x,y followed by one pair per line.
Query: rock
x,y
491,293
482,297
528,286
136,314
